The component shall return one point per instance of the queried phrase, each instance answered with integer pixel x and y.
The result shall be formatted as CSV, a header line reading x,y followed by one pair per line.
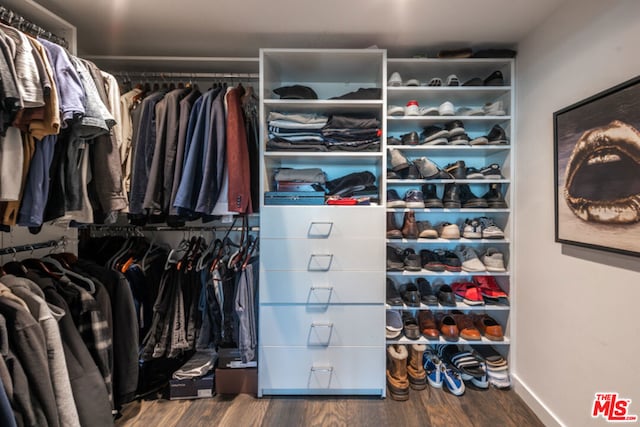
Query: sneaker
x,y
398,160
491,291
391,174
432,365
394,200
391,140
450,231
462,139
411,172
469,259
496,365
452,380
495,79
490,230
395,110
431,199
452,80
469,111
426,167
451,261
410,138
414,199
493,260
479,140
394,324
431,260
454,127
488,172
413,82
468,293
494,197
494,108
412,108
457,169
426,230
446,109
497,135
395,260
472,229
395,80
435,81
429,111
434,135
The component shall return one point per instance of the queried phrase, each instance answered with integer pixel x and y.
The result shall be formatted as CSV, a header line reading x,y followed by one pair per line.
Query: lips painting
x,y
602,178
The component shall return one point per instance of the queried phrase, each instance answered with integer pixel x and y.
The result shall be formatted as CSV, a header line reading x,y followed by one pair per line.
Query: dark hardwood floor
x,y
428,407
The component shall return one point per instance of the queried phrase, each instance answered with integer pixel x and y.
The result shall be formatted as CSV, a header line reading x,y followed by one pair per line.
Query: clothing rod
x,y
17,21
172,75
32,246
129,228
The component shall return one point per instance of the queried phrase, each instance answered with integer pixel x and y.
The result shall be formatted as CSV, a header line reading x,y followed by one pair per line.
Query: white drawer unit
x,y
323,222
321,288
303,370
323,255
322,267
318,326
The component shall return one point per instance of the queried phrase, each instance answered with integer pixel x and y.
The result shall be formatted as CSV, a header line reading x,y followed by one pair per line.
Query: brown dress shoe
x,y
447,326
467,329
410,228
489,327
393,232
428,325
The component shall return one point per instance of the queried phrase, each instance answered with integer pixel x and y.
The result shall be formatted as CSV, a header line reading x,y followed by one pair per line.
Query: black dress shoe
x,y
410,326
426,292
446,297
411,295
451,198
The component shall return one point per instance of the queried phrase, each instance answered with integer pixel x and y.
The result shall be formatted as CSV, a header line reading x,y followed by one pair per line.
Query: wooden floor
x,y
428,407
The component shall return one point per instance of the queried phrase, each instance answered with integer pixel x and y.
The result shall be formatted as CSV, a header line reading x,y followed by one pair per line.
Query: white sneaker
x,y
412,108
490,230
449,231
429,111
493,260
395,110
472,229
494,109
446,109
395,80
413,82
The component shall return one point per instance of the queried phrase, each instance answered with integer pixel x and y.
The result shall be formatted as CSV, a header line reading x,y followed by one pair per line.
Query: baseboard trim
x,y
547,417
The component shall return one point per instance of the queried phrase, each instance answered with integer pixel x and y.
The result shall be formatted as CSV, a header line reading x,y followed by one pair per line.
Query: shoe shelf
x,y
440,119
468,151
442,210
441,241
447,181
483,340
458,95
459,306
425,273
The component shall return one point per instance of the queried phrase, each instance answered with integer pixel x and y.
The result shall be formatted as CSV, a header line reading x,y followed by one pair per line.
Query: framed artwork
x,y
597,171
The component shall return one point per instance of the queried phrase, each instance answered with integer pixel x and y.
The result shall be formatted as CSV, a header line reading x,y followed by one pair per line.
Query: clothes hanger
x,y
90,286
14,267
175,254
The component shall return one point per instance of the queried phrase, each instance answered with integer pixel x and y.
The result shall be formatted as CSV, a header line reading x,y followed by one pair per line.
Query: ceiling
x,y
239,28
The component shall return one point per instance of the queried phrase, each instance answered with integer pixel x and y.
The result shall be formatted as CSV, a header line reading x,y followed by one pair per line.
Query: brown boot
x,y
410,228
397,380
393,232
415,370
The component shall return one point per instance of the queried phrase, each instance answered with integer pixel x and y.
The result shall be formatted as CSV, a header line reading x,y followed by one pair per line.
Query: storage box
x,y
192,388
236,381
294,198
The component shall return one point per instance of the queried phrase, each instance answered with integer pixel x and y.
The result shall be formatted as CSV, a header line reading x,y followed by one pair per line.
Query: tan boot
x,y
397,380
415,370
410,227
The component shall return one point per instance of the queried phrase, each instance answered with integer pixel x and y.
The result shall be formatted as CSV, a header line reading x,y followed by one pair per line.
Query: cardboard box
x,y
192,388
236,381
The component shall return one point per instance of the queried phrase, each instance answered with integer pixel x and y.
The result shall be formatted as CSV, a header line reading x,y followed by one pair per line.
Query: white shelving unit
x,y
322,267
476,156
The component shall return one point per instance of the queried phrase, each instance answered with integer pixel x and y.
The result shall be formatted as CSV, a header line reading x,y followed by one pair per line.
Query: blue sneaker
x,y
432,366
452,380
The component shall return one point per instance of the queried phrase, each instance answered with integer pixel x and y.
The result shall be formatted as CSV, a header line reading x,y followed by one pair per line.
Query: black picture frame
x,y
597,171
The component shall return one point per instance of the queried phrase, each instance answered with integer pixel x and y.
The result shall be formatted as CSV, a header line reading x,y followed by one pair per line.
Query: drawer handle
x,y
322,325
315,262
318,233
327,369
322,288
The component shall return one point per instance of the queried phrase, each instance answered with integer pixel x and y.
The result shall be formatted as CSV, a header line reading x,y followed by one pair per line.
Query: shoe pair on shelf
x,y
395,80
411,294
405,370
413,109
481,228
482,290
490,260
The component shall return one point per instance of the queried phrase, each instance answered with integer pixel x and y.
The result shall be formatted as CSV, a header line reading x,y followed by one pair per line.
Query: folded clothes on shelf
x,y
313,175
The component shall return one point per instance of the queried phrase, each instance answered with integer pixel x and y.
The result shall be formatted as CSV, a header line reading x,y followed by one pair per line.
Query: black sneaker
x,y
451,198
431,260
455,127
410,138
451,261
430,195
461,139
458,169
394,200
470,200
495,79
497,135
488,172
395,261
434,135
494,197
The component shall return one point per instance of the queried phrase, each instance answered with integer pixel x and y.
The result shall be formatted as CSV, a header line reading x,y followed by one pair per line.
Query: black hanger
x,y
38,265
15,268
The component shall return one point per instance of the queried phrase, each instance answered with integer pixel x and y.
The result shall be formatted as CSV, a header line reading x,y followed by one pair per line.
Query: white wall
x,y
576,321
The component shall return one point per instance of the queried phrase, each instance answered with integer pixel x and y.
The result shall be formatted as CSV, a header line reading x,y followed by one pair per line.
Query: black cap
x,y
296,92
